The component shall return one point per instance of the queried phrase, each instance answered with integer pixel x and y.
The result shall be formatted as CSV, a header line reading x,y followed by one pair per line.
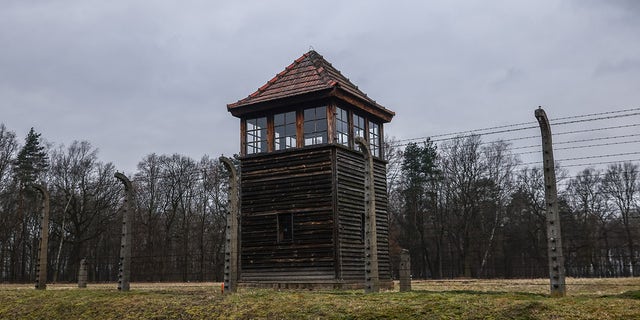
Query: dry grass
x,y
575,286
446,299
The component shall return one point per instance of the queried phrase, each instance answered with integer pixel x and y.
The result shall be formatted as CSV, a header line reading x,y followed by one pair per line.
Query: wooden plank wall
x,y
350,206
297,182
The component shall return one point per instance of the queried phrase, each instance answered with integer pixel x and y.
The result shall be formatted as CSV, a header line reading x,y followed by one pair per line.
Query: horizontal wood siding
x,y
297,182
350,206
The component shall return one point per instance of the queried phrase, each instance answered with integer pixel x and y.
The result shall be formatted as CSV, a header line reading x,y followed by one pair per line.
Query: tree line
x,y
469,208
465,208
178,223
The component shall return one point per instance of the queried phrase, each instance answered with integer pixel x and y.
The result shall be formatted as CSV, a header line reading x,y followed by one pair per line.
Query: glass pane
x,y
309,114
321,125
262,122
322,138
321,112
291,129
278,119
309,127
290,117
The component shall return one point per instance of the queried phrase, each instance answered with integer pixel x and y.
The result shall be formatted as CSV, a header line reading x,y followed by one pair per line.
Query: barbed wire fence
x,y
613,138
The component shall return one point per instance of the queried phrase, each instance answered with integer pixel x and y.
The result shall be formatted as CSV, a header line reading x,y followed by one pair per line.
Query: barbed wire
x,y
529,125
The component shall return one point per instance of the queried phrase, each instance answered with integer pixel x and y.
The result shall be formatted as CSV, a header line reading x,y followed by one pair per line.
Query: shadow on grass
x,y
635,295
443,292
487,293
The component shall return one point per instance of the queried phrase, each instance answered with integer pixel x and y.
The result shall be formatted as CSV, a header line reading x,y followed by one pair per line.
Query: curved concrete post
x,y
41,265
372,279
231,233
124,266
554,236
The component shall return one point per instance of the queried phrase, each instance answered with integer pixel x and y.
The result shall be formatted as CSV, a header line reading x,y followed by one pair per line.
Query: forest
x,y
463,208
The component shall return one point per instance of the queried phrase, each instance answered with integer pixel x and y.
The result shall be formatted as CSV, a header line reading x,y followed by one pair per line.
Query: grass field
x,y
446,299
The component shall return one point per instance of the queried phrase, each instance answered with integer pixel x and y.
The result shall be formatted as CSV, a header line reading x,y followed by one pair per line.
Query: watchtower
x,y
302,179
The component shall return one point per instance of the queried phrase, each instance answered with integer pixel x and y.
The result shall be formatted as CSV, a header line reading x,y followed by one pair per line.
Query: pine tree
x,y
32,160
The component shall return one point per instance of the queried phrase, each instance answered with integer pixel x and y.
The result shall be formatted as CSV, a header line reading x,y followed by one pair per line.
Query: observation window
x,y
342,126
358,126
256,135
374,139
284,125
315,126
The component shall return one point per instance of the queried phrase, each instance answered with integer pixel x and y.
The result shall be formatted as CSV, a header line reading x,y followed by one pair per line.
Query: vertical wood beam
x,y
41,265
331,122
300,128
270,133
554,236
124,270
231,233
243,136
371,275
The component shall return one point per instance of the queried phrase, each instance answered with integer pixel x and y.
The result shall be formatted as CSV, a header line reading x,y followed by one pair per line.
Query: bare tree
x,y
8,186
463,174
87,185
588,236
622,185
501,167
150,204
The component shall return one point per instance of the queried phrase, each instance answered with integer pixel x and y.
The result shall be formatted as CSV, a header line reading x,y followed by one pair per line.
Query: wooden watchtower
x,y
302,179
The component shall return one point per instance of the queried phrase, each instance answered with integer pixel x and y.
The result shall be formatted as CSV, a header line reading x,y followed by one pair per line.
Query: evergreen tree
x,y
419,167
32,160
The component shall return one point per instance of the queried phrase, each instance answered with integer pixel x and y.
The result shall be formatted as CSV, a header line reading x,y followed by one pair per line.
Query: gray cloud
x,y
135,77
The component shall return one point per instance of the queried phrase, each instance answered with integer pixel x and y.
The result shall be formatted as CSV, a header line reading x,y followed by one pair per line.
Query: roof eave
x,y
371,107
239,110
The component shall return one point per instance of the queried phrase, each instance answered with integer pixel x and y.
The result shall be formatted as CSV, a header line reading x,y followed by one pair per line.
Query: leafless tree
x,y
588,235
85,187
8,186
622,186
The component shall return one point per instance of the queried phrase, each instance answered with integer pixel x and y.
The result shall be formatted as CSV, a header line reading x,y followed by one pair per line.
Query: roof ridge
x,y
278,76
319,62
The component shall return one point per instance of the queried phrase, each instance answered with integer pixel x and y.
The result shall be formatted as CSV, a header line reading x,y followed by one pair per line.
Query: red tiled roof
x,y
309,73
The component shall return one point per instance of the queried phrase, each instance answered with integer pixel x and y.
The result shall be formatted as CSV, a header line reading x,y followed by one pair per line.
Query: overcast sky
x,y
137,77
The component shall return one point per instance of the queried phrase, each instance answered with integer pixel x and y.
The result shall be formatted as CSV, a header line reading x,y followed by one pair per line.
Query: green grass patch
x,y
164,301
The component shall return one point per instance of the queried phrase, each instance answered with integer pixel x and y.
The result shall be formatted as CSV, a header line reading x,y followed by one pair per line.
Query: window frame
x,y
342,137
316,137
290,138
374,139
357,128
256,137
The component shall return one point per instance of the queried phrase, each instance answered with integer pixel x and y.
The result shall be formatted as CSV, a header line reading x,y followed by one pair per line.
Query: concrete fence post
x,y
554,236
41,264
82,274
124,270
231,233
372,279
405,271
